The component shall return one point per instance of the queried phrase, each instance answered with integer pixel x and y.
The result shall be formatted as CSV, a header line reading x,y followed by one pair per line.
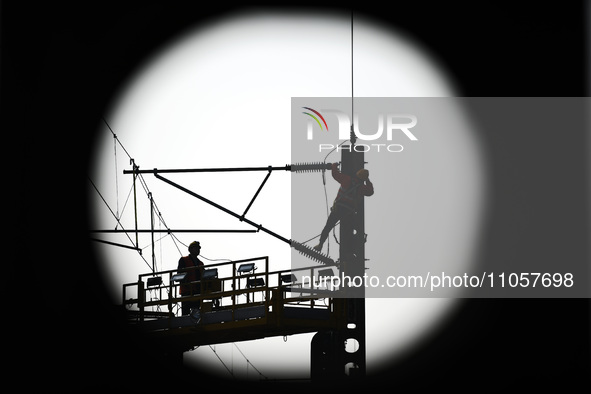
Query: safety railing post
x,y
140,299
170,296
267,284
234,294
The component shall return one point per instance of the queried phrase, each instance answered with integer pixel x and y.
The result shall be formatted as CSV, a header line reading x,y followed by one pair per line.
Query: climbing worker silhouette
x,y
352,189
189,289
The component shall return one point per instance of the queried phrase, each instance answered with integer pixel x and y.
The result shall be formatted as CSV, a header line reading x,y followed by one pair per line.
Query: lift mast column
x,y
329,356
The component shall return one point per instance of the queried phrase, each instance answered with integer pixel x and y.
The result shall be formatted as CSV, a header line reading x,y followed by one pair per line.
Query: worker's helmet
x,y
194,244
363,174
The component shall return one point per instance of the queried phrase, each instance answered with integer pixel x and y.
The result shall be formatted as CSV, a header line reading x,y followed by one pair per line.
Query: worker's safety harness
x,y
346,198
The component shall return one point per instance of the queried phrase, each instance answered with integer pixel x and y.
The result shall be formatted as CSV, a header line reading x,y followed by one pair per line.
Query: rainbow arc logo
x,y
315,118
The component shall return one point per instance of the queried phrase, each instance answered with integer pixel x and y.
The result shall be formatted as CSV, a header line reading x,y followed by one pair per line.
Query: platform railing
x,y
231,288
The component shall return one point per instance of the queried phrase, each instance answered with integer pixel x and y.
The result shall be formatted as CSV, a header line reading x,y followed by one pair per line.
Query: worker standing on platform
x,y
352,189
187,288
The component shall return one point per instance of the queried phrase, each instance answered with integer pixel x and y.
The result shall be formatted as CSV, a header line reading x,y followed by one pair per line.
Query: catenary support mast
x,y
330,359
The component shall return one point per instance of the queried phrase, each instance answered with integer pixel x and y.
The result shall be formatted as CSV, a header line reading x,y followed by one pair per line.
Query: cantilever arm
x,y
184,170
298,167
241,218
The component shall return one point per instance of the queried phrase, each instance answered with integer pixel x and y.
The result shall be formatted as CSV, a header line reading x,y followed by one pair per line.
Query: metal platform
x,y
237,304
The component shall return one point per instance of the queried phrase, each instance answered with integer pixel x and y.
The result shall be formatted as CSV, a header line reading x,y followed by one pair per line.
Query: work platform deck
x,y
240,300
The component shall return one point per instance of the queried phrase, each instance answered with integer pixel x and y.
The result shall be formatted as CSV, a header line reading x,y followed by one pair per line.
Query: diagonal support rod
x,y
241,218
257,193
117,244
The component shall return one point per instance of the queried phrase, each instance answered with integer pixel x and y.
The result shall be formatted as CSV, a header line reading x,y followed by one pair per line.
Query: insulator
x,y
311,253
310,167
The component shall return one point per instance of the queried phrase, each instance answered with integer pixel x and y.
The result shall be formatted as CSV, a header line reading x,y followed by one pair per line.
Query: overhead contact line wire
x,y
146,190
119,223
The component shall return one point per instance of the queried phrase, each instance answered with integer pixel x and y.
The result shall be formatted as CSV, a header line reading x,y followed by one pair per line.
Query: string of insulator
x,y
310,167
311,253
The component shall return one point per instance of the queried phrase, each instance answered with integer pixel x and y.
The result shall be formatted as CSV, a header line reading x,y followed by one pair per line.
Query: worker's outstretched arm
x,y
337,175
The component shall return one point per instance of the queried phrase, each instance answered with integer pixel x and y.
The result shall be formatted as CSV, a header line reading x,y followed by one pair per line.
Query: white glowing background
x,y
219,96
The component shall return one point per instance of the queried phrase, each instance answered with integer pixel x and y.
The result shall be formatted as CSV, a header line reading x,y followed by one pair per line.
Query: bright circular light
x,y
219,96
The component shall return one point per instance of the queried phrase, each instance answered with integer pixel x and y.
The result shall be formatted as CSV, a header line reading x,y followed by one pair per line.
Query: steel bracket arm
x,y
237,216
